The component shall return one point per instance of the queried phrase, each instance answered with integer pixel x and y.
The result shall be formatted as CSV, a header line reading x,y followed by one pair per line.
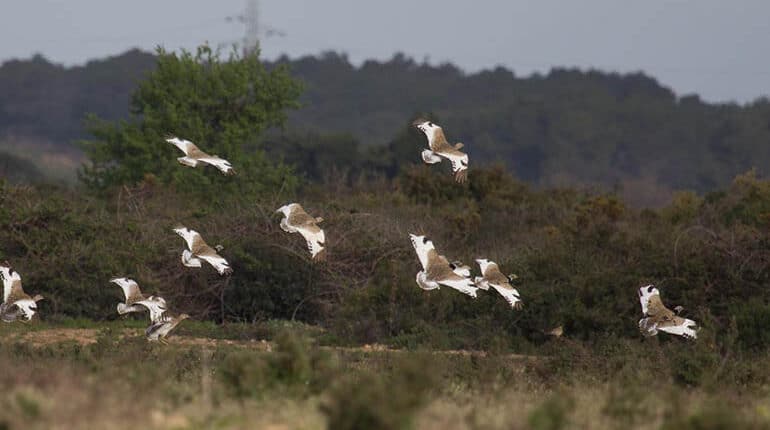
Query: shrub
x,y
552,414
381,402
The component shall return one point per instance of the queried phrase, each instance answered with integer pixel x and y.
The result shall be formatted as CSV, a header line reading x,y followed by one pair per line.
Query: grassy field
x,y
280,375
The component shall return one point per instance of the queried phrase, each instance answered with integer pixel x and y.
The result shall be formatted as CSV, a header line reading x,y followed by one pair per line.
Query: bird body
x,y
296,220
198,249
16,303
440,148
492,277
158,330
437,269
657,317
193,156
136,301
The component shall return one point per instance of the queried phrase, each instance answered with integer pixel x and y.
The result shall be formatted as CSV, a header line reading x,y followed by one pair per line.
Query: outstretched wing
x,y
315,238
130,290
429,157
194,241
679,326
510,294
156,306
223,165
440,271
459,162
463,285
217,261
12,289
185,146
5,274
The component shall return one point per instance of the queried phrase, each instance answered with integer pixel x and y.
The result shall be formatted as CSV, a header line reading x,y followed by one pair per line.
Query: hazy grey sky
x,y
717,48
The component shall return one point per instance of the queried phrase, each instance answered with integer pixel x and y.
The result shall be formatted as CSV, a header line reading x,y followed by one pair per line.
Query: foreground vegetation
x,y
298,383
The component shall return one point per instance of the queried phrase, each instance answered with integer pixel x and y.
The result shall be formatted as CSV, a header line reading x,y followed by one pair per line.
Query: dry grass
x,y
72,378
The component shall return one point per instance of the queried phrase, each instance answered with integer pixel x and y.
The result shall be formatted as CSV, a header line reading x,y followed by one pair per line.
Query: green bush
x,y
552,414
295,367
367,400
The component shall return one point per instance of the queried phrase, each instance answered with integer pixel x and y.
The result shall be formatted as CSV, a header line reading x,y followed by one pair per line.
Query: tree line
x,y
617,131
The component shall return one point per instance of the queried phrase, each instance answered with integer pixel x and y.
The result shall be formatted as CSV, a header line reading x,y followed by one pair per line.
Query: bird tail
x,y
459,145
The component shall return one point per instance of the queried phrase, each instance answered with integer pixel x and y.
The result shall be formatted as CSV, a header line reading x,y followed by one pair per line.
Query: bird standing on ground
x,y
439,147
193,155
437,269
158,330
198,249
16,303
296,220
658,317
492,277
136,302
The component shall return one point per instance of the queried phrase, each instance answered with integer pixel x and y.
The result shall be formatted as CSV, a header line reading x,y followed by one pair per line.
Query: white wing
x,y
430,157
219,263
286,227
190,261
223,165
129,286
156,306
687,329
510,295
424,283
28,307
8,280
189,237
182,144
464,286
458,163
315,240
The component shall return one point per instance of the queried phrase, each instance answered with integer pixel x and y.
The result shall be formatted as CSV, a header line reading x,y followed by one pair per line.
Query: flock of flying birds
x,y
436,269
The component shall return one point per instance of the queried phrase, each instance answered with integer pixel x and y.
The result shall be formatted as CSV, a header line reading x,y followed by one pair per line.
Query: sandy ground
x,y
86,336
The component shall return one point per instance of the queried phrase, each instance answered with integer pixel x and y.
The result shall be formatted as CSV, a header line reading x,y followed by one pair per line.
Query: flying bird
x,y
16,303
193,155
492,277
198,250
439,147
437,270
136,302
158,330
658,317
296,220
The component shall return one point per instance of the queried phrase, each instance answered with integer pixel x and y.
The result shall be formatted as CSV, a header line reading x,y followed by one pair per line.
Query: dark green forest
x,y
621,132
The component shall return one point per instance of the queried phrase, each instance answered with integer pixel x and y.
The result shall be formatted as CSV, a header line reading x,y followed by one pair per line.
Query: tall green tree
x,y
222,105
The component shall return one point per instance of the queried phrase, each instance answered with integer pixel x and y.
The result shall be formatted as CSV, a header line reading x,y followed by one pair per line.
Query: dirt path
x,y
87,336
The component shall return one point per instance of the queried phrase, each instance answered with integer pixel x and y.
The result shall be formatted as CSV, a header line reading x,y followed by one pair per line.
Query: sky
x,y
715,48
